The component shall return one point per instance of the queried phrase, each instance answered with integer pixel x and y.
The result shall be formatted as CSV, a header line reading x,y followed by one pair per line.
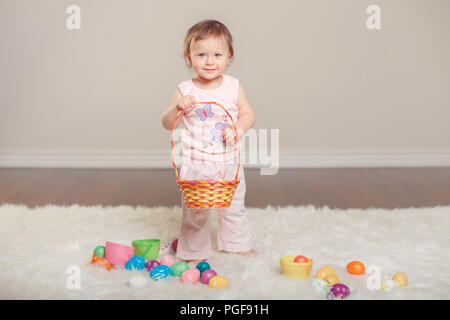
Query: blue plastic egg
x,y
202,266
160,272
135,263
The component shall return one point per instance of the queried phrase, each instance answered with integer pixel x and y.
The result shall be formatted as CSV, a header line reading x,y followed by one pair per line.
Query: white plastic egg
x,y
320,286
137,281
389,285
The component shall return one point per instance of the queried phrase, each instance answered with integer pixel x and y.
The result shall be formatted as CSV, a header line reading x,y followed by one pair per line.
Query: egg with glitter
x,y
202,266
178,268
191,275
167,260
160,272
149,265
135,263
207,275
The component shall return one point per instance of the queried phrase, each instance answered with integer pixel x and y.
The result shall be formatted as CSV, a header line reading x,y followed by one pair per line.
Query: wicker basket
x,y
207,193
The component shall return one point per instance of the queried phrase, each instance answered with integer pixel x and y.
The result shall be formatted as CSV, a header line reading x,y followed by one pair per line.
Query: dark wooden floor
x,y
335,188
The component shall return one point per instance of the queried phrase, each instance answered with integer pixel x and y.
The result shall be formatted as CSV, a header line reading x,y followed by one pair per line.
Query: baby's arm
x,y
246,118
169,115
178,103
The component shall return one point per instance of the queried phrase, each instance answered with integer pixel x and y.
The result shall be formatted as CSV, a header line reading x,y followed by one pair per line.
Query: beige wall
x,y
310,68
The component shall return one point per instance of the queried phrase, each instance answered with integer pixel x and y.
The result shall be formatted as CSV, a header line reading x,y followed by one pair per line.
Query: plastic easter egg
x,y
151,264
160,272
167,260
355,267
191,275
207,275
94,258
301,259
331,279
401,279
137,281
389,285
174,245
337,290
101,261
178,268
202,266
135,263
99,251
320,286
323,272
218,282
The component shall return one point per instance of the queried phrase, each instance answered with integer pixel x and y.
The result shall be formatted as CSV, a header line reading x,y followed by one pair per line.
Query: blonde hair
x,y
204,30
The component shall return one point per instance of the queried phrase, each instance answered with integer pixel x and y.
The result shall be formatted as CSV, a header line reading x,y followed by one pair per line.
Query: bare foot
x,y
194,262
249,253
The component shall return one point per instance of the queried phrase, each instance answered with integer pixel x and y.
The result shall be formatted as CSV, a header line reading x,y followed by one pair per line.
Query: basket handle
x,y
234,128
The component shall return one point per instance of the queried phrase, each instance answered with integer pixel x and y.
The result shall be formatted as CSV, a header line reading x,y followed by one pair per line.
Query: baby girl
x,y
209,142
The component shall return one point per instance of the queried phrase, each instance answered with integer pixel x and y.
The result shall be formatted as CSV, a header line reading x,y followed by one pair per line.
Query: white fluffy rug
x,y
38,245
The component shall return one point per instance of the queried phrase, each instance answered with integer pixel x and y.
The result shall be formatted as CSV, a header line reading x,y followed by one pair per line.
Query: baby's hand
x,y
185,103
229,137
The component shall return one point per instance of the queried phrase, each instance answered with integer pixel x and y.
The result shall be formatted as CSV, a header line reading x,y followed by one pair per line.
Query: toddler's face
x,y
209,58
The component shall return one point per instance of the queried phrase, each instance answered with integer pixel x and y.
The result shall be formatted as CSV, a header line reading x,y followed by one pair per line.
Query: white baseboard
x,y
161,159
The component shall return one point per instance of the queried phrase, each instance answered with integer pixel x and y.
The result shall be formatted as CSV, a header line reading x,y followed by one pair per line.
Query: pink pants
x,y
233,229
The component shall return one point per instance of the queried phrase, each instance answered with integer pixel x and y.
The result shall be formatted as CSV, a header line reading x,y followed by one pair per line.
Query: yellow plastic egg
x,y
401,279
323,272
331,279
218,282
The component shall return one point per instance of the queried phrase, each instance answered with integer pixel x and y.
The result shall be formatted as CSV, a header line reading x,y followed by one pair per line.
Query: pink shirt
x,y
203,125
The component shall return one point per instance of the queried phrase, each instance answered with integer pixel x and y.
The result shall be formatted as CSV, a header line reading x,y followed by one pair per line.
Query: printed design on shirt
x,y
216,133
225,118
205,112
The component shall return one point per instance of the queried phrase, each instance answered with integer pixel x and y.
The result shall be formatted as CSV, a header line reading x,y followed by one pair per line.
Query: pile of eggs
x,y
164,268
326,282
168,267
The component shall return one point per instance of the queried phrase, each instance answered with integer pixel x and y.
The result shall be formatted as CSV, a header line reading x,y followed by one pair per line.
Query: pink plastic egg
x,y
207,275
167,260
190,275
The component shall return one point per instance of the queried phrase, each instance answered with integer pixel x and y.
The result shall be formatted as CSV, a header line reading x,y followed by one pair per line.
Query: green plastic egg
x,y
99,251
178,268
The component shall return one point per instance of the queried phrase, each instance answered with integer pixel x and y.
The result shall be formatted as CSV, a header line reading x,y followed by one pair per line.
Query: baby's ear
x,y
188,59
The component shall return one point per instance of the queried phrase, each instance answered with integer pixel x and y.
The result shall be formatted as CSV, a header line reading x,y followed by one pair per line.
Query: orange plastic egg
x,y
356,267
323,272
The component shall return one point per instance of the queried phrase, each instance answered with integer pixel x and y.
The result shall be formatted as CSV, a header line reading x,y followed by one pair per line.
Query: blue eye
x,y
201,54
218,54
